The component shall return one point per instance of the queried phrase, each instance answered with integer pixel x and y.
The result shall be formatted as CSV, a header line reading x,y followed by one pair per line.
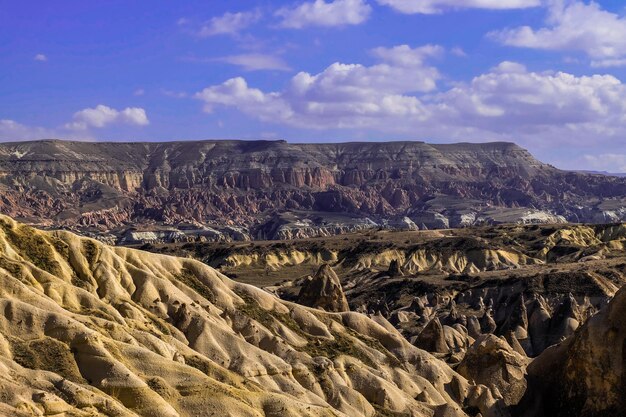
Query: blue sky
x,y
547,74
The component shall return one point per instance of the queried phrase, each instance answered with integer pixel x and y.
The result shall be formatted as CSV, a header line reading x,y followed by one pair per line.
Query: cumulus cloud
x,y
405,56
343,95
101,116
400,95
322,13
236,93
511,98
439,6
78,129
228,23
40,58
574,26
256,62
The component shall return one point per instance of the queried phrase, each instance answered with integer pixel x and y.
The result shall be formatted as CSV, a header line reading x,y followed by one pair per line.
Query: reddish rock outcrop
x,y
107,185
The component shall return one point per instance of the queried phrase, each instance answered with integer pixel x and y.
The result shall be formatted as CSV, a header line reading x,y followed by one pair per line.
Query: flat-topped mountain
x,y
275,189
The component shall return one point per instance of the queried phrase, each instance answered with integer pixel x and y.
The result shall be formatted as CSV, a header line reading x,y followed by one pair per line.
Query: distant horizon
x,y
296,141
278,140
541,74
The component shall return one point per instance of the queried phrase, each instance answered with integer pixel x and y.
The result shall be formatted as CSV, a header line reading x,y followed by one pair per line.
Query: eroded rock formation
x,y
584,375
324,291
92,329
491,361
278,190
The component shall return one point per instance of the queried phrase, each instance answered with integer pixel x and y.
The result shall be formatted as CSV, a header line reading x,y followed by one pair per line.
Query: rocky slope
x,y
534,285
585,375
93,330
88,329
273,189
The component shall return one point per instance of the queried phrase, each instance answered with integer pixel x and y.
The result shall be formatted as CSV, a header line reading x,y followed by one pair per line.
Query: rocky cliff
x,y
324,188
585,375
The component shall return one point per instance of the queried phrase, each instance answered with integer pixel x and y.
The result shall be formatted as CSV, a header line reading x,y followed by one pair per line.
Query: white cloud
x,y
399,95
343,95
510,98
458,51
609,63
40,58
574,26
101,116
78,129
609,162
405,56
439,6
228,23
11,130
321,13
236,93
256,62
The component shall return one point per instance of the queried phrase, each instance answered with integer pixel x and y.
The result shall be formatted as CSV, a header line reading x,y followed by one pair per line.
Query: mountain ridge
x,y
253,185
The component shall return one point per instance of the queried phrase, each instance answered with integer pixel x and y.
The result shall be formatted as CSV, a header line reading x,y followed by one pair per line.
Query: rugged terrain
x,y
88,329
240,190
583,376
536,284
94,330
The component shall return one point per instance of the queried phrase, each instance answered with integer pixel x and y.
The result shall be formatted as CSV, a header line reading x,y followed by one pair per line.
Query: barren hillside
x,y
238,190
89,329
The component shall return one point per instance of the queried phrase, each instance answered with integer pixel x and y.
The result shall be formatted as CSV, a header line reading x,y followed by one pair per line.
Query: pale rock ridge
x,y
91,329
493,362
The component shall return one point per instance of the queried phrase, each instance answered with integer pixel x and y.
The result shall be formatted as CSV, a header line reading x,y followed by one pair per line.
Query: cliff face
x,y
243,182
258,164
584,375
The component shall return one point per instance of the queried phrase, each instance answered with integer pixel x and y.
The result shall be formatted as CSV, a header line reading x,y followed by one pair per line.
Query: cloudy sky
x,y
549,75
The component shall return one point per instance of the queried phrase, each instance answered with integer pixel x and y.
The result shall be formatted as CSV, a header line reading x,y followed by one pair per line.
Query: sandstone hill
x,y
237,190
323,290
93,330
585,375
534,284
534,313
